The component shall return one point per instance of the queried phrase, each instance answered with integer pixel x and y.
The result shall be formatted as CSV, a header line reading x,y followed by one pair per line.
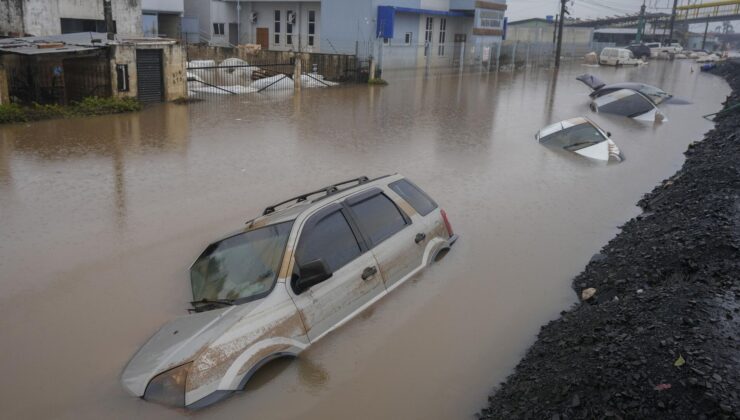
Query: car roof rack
x,y
327,191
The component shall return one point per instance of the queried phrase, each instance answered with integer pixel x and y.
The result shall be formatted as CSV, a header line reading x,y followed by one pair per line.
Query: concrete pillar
x,y
4,93
297,73
372,69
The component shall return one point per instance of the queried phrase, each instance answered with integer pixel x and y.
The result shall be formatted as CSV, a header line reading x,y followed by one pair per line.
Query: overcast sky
x,y
523,9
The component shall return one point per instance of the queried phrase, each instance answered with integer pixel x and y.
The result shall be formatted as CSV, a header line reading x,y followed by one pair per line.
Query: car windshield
x,y
628,105
240,267
656,95
574,138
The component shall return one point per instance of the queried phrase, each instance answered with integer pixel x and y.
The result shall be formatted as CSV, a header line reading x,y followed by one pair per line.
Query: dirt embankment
x,y
660,338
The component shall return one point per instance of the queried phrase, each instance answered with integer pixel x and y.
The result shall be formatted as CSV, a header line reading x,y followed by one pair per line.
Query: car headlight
x,y
169,387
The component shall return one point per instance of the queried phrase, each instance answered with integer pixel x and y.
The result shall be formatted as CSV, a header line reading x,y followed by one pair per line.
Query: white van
x,y
618,56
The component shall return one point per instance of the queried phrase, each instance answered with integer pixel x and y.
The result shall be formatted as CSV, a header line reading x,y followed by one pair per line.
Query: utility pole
x,y
641,24
555,29
563,12
704,39
108,13
673,20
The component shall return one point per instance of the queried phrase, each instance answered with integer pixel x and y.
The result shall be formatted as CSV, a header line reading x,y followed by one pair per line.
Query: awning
x,y
387,16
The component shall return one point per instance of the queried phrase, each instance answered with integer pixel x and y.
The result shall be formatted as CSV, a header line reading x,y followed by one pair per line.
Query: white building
x,y
52,17
162,18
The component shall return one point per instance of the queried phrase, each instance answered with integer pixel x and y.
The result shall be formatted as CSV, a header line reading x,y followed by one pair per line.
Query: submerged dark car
x,y
639,50
655,94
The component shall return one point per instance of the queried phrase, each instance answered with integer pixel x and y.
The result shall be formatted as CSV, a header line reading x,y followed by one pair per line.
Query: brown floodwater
x,y
101,217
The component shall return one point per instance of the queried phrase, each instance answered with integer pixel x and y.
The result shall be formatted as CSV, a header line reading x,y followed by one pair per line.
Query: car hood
x,y
176,343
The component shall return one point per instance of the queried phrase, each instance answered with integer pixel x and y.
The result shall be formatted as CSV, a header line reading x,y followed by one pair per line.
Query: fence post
x,y
498,55
4,94
297,73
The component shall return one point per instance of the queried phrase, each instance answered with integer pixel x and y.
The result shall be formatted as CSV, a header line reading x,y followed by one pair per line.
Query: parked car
x,y
600,88
639,50
581,136
291,276
656,48
630,104
618,56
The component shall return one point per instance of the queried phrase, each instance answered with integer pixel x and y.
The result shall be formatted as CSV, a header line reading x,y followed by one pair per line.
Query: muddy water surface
x,y
100,219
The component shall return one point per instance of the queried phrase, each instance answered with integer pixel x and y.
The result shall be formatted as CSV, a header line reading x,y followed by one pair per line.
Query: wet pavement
x,y
100,219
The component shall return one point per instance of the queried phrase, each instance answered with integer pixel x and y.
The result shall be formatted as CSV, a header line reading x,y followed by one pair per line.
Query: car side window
x,y
330,239
378,217
414,196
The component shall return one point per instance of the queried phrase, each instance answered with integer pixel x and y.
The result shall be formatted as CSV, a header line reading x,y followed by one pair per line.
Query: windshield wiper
x,y
207,304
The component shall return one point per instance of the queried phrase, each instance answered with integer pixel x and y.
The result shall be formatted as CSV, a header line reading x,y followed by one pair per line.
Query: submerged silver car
x,y
294,274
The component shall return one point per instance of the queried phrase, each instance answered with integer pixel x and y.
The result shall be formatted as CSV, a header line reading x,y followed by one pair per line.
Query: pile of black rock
x,y
657,332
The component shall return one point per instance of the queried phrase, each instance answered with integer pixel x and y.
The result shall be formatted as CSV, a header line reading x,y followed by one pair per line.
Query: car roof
x,y
298,205
562,125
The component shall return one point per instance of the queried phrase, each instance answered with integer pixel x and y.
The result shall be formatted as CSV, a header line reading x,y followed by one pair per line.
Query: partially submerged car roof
x,y
562,125
291,208
591,81
628,103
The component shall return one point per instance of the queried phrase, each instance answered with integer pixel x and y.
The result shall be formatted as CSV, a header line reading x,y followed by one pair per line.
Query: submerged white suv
x,y
294,274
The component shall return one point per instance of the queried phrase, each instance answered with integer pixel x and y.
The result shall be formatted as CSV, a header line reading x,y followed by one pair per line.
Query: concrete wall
x,y
173,69
544,32
170,6
200,9
11,17
42,17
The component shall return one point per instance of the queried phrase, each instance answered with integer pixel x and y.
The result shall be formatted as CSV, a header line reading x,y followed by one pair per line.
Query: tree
x,y
725,28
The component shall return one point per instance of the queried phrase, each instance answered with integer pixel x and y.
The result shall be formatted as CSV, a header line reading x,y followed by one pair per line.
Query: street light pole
x,y
108,14
563,12
673,20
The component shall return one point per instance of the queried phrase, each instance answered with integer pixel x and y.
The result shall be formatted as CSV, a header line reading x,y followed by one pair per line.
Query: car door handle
x,y
368,272
420,237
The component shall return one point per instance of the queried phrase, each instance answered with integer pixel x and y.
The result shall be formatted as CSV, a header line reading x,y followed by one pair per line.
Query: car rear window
x,y
414,196
330,239
378,218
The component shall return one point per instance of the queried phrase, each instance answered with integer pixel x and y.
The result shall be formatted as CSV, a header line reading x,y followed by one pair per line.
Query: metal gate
x,y
149,75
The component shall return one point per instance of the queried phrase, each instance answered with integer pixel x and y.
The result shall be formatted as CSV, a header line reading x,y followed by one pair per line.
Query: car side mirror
x,y
608,134
311,274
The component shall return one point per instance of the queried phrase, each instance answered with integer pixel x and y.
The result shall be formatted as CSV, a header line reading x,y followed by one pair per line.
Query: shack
x,y
61,69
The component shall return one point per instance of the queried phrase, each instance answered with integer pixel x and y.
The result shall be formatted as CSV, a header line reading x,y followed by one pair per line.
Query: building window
x,y
122,77
442,36
385,41
277,27
70,26
490,18
218,29
428,35
408,38
311,27
290,20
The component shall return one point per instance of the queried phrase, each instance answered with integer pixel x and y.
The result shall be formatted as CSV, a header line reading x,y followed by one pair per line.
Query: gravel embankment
x,y
660,338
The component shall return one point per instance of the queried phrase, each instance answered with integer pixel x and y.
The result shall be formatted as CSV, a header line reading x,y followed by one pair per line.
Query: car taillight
x,y
447,223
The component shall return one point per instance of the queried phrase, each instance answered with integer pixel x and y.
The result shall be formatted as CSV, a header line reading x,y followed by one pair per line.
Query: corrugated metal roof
x,y
52,44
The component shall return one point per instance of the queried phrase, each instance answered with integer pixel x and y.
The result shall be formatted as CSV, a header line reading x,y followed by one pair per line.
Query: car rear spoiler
x,y
591,81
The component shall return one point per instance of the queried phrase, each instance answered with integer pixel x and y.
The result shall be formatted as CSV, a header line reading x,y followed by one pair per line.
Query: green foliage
x,y
377,81
10,113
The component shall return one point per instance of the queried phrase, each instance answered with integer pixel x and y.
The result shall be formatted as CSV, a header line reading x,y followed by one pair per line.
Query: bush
x,y
88,106
377,81
12,113
99,106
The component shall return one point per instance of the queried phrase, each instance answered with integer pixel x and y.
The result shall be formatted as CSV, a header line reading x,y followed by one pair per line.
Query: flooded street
x,y
101,218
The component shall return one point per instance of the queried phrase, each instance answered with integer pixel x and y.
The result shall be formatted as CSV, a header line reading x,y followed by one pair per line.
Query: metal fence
x,y
57,80
233,76
476,55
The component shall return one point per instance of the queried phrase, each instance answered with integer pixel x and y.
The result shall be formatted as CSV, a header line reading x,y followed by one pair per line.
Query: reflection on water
x,y
100,219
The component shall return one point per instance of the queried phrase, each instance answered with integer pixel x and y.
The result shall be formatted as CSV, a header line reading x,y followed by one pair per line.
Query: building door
x,y
149,75
460,40
263,38
233,34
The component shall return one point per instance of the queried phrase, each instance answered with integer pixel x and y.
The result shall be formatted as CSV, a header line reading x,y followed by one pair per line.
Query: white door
x,y
329,236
